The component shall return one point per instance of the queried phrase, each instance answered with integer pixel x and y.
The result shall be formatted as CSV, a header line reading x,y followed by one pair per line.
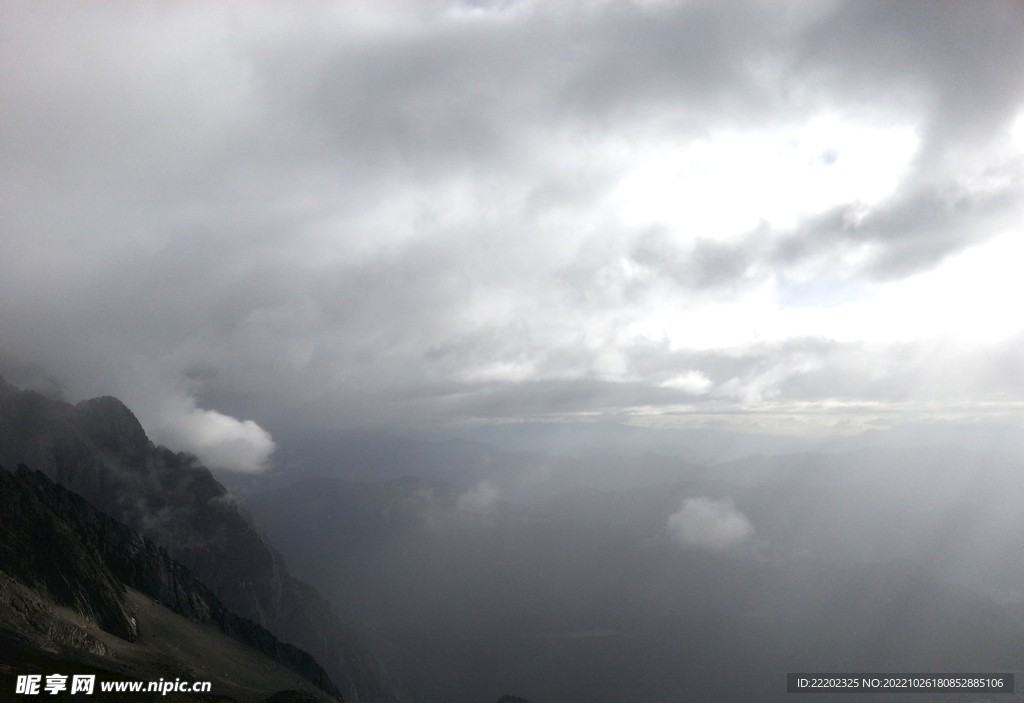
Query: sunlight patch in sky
x,y
385,214
727,185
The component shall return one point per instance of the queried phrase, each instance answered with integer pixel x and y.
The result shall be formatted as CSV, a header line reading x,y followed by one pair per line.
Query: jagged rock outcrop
x,y
98,449
57,544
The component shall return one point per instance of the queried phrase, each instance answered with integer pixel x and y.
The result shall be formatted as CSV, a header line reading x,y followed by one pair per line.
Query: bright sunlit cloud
x,y
1017,132
971,298
432,213
733,182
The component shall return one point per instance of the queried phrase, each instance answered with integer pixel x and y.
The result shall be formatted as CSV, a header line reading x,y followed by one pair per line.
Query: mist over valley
x,y
709,586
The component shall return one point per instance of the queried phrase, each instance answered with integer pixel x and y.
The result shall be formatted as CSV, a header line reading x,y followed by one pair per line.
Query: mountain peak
x,y
111,425
99,450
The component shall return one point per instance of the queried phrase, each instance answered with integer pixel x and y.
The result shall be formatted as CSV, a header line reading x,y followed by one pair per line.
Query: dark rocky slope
x,y
98,449
39,636
56,549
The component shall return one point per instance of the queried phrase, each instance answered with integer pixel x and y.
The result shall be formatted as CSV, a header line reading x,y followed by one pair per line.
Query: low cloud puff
x,y
480,497
710,524
220,441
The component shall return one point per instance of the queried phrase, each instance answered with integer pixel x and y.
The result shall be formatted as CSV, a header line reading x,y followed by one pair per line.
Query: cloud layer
x,y
368,215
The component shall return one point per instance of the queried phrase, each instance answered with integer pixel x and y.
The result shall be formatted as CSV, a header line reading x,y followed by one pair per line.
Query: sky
x,y
780,217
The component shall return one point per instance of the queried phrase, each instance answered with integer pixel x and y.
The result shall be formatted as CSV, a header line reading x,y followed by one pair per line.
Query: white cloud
x,y
1017,132
709,524
692,382
724,186
220,441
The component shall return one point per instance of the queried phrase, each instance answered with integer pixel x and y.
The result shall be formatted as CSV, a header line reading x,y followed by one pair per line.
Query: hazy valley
x,y
601,577
893,559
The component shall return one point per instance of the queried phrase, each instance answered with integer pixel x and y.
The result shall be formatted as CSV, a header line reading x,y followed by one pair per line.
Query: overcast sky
x,y
795,217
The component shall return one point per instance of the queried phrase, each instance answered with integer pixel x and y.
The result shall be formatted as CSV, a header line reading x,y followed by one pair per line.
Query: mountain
x,y
98,449
82,593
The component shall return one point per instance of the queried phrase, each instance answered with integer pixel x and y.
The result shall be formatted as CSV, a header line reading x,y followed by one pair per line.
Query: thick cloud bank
x,y
786,216
710,524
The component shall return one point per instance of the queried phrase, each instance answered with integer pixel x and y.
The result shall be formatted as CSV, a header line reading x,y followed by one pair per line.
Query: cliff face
x,y
42,551
57,545
99,450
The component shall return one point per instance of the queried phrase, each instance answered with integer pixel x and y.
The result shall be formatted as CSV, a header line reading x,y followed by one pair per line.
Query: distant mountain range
x,y
98,450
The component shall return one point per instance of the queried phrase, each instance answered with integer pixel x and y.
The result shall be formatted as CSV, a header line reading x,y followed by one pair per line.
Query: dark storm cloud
x,y
911,233
391,215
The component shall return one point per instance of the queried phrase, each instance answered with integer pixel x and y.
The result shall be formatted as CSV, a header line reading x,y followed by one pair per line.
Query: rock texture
x,y
41,550
55,544
98,449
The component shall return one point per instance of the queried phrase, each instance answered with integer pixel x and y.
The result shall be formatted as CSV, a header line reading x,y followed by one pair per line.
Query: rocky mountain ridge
x,y
57,550
98,449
